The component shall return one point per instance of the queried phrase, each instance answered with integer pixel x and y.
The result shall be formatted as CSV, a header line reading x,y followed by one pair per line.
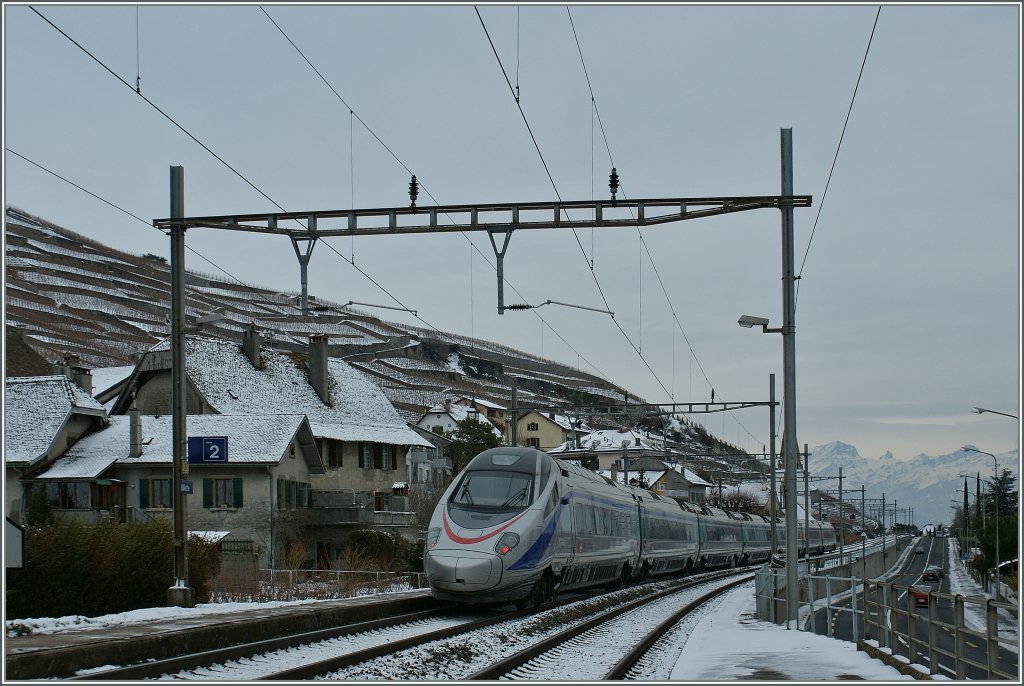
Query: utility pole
x,y
774,499
790,444
842,516
863,535
883,529
807,508
179,594
515,415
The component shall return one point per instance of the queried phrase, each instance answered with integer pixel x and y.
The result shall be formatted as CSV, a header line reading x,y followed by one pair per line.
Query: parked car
x,y
920,594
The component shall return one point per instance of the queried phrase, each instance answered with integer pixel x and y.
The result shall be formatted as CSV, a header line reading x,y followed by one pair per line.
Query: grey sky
x,y
909,306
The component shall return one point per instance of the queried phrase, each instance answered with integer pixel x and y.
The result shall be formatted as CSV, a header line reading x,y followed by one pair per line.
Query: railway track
x,y
488,651
411,646
584,650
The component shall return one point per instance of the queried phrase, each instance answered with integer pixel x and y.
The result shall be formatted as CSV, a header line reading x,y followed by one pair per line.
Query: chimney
x,y
251,345
135,430
447,404
73,369
319,378
637,439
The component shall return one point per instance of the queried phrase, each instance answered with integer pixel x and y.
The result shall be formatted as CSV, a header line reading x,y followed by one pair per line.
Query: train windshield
x,y
487,498
503,490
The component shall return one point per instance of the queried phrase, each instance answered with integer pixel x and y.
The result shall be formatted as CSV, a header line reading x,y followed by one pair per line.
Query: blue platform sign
x,y
207,449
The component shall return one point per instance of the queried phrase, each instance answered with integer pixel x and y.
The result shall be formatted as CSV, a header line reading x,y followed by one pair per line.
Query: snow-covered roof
x,y
690,476
485,403
651,476
460,413
607,440
359,410
36,407
209,536
400,484
105,378
252,439
756,490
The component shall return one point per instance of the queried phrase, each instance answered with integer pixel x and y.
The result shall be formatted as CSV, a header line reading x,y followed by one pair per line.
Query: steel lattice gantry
x,y
494,218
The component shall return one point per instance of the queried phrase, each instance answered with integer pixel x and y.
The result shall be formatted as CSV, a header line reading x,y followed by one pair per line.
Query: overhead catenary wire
x,y
226,164
558,194
198,254
422,186
643,242
835,158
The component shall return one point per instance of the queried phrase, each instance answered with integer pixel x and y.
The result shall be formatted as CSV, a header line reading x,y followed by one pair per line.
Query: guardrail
x,y
888,606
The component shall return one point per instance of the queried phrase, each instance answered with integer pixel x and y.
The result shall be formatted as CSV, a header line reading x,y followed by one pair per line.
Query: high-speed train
x,y
518,525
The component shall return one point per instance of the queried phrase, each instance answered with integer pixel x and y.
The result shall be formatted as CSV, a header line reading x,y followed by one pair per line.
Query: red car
x,y
920,596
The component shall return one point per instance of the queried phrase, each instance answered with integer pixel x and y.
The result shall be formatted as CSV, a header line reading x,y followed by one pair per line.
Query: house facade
x,y
260,494
443,419
546,430
44,416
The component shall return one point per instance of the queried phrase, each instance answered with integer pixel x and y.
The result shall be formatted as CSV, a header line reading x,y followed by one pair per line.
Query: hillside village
x,y
317,445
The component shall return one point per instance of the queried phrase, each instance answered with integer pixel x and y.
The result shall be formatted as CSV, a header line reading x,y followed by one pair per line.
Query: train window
x,y
504,460
494,489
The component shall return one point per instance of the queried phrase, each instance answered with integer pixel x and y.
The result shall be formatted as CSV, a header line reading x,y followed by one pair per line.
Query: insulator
x,y
613,183
414,190
518,306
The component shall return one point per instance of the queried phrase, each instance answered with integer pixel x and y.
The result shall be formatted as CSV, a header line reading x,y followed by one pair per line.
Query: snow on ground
x,y
53,625
731,643
961,582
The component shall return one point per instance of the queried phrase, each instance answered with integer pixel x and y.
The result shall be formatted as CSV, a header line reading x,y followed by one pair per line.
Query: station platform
x,y
65,652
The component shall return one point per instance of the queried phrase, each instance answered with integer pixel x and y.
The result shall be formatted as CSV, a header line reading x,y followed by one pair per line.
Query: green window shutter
x,y
143,493
287,495
394,458
280,494
309,495
207,493
238,493
295,493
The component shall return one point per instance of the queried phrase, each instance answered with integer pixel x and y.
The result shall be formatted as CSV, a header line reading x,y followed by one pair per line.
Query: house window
x,y
381,502
533,443
334,449
388,460
438,429
366,456
222,493
160,493
70,495
532,426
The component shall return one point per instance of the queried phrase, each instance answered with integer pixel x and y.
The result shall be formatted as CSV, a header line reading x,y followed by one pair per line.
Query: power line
x,y
643,242
836,157
222,161
555,187
143,221
422,186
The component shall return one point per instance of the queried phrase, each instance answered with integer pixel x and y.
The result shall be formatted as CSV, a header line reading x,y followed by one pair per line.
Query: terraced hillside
x,y
69,294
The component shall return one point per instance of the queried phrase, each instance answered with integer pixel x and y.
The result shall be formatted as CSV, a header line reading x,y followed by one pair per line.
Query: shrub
x,y
388,551
77,569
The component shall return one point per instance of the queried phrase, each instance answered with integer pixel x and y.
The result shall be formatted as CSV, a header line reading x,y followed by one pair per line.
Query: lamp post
x,y
788,331
995,498
982,410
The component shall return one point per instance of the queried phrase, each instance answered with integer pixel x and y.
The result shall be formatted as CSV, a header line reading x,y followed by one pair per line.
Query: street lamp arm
x,y
982,410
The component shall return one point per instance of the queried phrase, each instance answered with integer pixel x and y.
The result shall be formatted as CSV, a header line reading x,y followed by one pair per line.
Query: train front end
x,y
487,538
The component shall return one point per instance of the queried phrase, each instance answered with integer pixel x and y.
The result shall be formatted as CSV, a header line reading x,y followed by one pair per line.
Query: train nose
x,y
458,571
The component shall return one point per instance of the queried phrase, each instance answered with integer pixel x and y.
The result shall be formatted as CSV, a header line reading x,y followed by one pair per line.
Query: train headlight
x,y
506,543
432,536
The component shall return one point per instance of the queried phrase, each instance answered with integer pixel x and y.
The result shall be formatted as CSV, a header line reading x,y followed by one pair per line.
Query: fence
x,y
261,585
890,605
887,613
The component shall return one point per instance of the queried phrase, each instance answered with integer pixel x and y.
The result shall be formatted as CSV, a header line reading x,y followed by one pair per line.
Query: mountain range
x,y
926,483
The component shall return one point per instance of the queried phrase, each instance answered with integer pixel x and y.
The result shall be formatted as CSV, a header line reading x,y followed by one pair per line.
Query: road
x,y
935,553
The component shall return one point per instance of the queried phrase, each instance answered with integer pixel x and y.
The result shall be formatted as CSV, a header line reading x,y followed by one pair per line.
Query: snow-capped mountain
x,y
926,483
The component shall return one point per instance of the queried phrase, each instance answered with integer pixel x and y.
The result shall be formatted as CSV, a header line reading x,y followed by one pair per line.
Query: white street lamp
x,y
995,498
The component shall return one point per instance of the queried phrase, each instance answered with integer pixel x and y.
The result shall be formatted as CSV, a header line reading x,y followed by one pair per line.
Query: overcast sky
x,y
909,303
